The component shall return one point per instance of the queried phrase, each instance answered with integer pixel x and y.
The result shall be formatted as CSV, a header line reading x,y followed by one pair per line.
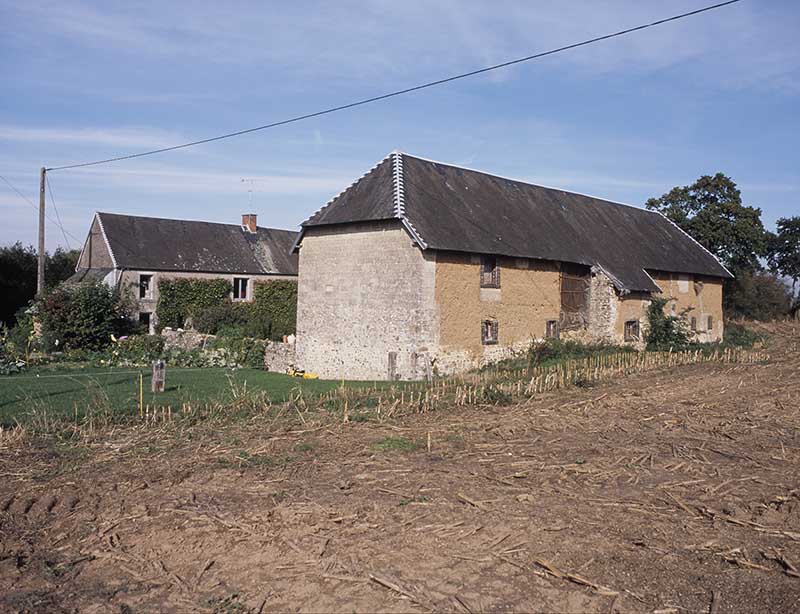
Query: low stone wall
x,y
279,356
184,339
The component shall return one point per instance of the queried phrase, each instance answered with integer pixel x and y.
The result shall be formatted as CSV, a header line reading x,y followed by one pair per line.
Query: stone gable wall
x,y
365,304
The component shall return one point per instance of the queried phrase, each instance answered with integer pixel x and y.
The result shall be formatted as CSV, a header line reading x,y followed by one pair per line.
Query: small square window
x,y
710,323
552,332
145,286
490,272
240,288
489,332
632,330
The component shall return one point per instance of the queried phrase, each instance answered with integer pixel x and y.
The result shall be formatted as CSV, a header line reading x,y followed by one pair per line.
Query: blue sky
x,y
625,119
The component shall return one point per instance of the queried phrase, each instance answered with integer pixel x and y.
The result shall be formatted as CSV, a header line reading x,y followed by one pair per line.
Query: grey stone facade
x,y
366,307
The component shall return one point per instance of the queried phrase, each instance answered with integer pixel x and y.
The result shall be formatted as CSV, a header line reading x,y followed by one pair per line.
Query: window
x,y
489,332
694,324
240,288
145,320
632,330
710,323
551,331
145,286
490,272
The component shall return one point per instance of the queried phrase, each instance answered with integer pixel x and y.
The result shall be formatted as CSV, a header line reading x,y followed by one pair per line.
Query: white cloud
x,y
117,137
384,41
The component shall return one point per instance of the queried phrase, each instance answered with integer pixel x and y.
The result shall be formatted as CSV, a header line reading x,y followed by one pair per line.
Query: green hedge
x,y
277,300
271,315
179,299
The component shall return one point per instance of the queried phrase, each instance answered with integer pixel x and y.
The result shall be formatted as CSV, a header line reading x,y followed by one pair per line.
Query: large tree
x,y
18,276
784,250
711,211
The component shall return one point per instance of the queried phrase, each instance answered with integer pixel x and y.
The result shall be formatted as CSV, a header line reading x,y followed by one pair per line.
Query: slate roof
x,y
157,244
82,275
447,207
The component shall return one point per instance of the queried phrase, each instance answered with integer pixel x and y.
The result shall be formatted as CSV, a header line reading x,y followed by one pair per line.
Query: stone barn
x,y
421,267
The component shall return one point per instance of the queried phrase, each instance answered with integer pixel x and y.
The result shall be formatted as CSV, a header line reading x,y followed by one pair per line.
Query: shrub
x,y
211,320
740,336
19,340
138,350
556,349
664,332
83,316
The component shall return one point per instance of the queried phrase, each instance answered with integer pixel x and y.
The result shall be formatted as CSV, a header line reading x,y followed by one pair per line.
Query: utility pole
x,y
40,269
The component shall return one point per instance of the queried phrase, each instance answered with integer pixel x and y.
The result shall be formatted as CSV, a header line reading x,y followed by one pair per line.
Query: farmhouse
x,y
421,267
136,253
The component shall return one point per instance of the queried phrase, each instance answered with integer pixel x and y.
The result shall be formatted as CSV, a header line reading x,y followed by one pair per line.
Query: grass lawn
x,y
60,391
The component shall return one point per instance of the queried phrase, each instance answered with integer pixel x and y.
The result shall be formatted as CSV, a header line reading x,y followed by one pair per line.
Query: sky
x,y
625,119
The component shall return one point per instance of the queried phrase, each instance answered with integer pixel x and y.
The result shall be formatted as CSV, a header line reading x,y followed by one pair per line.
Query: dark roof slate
x,y
149,243
457,209
84,275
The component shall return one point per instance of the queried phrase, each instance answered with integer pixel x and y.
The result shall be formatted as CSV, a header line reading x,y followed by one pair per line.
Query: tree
x,y
18,276
784,250
17,279
757,296
711,211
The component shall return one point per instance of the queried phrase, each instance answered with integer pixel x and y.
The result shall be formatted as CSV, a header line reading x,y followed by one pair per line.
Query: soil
x,y
675,491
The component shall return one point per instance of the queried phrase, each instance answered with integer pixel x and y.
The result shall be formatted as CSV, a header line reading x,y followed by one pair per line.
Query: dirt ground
x,y
676,491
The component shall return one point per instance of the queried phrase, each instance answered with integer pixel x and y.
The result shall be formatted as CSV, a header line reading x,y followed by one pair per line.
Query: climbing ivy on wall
x,y
179,299
277,300
271,315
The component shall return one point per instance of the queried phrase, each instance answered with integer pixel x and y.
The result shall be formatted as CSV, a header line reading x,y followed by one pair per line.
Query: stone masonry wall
x,y
365,307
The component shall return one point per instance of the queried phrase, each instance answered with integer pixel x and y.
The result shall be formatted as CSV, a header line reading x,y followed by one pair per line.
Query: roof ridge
x,y
173,219
538,185
399,187
398,177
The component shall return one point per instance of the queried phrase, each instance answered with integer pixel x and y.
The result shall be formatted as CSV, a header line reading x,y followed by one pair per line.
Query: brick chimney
x,y
249,222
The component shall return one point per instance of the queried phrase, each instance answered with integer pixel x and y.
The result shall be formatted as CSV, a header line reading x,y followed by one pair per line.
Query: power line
x,y
408,90
31,203
58,215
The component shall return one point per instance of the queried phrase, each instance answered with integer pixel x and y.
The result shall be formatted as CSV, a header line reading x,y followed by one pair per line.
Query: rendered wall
x,y
701,295
528,296
365,292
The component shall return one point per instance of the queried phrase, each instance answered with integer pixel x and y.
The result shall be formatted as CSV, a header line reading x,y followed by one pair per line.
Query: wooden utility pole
x,y
40,269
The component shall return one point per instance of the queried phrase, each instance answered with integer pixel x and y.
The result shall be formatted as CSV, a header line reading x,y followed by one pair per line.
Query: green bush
x,y
737,335
551,350
81,317
138,350
665,332
215,318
